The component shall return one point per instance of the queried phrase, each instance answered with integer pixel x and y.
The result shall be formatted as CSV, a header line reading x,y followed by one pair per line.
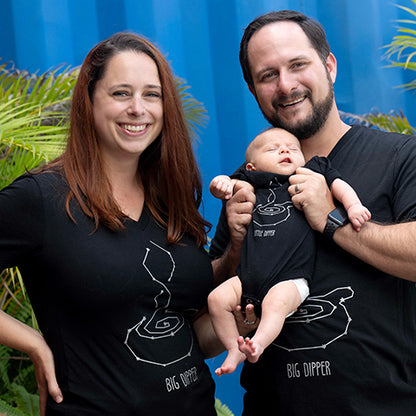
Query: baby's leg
x,y
222,301
280,301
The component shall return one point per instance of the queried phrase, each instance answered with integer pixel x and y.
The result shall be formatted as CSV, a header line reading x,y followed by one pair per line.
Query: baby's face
x,y
276,151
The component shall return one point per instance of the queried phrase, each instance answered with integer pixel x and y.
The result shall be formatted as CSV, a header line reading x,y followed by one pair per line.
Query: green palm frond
x,y
222,409
195,113
53,88
33,110
393,121
401,52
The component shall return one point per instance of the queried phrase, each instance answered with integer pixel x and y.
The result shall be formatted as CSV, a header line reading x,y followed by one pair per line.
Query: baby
x,y
278,253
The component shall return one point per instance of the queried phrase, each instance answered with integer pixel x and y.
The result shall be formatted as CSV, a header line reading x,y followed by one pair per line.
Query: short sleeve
x,y
323,166
21,219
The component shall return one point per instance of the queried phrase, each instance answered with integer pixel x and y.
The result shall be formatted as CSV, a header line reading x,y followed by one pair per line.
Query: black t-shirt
x,y
279,244
350,349
116,308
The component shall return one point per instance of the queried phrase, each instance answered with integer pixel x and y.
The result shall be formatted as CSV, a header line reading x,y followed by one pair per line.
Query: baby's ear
x,y
250,166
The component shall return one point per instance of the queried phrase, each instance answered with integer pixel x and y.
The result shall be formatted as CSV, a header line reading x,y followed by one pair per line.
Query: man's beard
x,y
313,123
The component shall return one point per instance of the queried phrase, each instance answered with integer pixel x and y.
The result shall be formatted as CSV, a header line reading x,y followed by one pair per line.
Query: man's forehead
x,y
279,36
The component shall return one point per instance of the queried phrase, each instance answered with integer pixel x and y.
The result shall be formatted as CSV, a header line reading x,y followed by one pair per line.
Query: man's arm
x,y
389,248
238,214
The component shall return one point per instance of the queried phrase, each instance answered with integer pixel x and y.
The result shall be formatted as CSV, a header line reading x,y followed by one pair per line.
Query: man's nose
x,y
287,83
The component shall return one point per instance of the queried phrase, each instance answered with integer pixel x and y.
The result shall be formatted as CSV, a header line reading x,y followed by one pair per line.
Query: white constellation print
x,y
278,212
329,307
150,340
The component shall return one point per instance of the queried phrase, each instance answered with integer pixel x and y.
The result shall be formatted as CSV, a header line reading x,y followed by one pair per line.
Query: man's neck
x,y
326,138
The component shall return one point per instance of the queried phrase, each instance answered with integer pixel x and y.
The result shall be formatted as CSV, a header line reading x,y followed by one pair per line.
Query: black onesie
x,y
279,244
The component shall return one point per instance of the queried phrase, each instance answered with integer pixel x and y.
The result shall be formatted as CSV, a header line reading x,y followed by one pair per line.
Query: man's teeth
x,y
293,102
132,128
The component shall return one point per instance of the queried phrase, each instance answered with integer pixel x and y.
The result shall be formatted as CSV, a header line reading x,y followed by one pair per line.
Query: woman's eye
x,y
120,93
153,94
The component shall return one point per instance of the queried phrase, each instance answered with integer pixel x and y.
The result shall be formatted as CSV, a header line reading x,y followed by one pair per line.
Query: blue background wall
x,y
201,39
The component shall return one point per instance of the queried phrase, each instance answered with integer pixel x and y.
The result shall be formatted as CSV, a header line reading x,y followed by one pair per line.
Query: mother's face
x,y
128,106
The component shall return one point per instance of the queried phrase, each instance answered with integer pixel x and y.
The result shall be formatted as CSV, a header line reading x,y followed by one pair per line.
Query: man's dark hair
x,y
312,29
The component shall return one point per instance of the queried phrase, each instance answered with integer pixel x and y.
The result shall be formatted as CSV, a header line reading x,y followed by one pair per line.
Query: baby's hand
x,y
358,215
222,187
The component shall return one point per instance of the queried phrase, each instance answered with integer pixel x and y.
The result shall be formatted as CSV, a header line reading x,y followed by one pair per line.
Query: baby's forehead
x,y
275,136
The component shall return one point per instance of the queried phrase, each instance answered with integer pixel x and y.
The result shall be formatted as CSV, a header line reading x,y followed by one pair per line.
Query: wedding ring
x,y
250,323
297,190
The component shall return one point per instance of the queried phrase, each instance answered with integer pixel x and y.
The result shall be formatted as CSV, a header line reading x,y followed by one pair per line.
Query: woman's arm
x,y
19,336
208,340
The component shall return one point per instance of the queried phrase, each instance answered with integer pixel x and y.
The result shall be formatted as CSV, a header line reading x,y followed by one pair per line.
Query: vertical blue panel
x,y
200,39
28,26
227,81
57,33
7,44
139,17
84,28
111,17
198,72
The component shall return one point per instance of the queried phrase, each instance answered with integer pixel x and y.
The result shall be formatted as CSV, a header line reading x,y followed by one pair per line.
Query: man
x,y
350,348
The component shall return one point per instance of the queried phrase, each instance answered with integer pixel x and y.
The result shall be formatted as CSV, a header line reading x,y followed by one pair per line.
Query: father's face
x,y
292,86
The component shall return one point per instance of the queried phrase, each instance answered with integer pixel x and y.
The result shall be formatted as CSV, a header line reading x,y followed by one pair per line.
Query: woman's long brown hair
x,y
167,168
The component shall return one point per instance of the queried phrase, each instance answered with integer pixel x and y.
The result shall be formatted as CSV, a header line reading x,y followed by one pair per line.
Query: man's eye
x,y
268,76
298,65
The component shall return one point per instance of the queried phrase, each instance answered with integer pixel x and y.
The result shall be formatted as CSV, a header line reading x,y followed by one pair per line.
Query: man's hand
x,y
247,320
310,194
238,211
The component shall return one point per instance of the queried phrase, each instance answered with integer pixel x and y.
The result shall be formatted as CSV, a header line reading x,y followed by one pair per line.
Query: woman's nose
x,y
136,107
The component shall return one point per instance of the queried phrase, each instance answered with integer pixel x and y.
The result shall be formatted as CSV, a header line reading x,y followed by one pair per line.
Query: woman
x,y
110,243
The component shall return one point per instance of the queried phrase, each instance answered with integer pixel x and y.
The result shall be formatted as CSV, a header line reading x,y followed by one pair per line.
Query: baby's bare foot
x,y
250,349
233,359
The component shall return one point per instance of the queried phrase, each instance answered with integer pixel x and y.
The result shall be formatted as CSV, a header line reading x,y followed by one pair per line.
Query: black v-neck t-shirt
x,y
116,308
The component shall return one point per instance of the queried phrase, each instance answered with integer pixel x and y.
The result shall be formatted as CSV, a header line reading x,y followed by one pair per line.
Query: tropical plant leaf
x,y
196,115
222,409
5,383
7,410
403,46
393,121
26,402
